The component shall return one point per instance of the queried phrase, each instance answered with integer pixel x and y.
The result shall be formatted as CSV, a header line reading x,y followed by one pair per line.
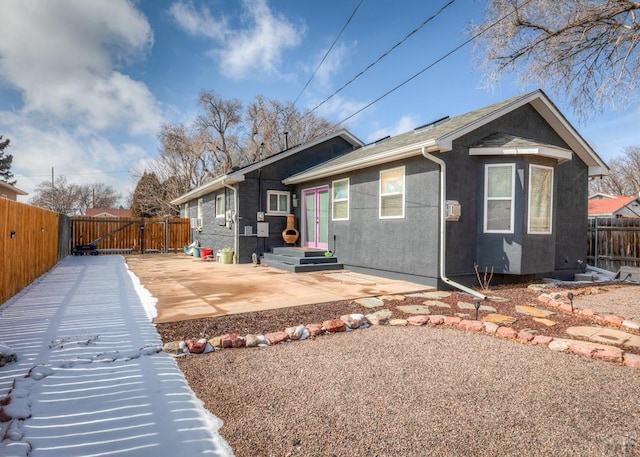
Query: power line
x,y
327,53
432,64
75,174
389,51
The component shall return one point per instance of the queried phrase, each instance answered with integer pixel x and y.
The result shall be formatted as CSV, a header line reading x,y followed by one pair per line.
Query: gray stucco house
x,y
503,187
246,210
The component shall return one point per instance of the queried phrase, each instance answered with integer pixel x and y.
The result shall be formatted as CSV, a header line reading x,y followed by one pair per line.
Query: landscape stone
x,y
334,325
463,315
631,325
216,342
498,299
370,302
616,320
232,340
314,329
581,350
252,341
436,303
297,332
605,335
436,294
452,320
471,306
398,322
392,297
507,332
379,317
632,360
609,355
543,321
173,347
414,309
525,336
490,327
558,345
353,321
276,337
196,346
499,319
436,320
566,308
532,311
418,320
541,340
470,326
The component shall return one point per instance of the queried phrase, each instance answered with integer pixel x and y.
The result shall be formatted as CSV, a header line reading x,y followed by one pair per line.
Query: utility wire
x,y
432,64
327,53
414,31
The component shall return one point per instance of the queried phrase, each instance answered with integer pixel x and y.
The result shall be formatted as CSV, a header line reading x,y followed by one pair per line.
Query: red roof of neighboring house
x,y
602,206
107,212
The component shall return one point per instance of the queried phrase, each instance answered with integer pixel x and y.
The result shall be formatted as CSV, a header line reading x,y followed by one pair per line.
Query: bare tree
x,y
582,49
218,128
71,199
624,177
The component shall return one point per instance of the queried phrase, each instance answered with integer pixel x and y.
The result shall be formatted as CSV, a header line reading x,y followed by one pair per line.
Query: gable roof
x,y
609,206
439,137
237,176
11,188
107,212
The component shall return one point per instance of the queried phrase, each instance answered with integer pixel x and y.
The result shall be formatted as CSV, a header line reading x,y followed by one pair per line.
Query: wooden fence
x,y
129,234
614,242
32,240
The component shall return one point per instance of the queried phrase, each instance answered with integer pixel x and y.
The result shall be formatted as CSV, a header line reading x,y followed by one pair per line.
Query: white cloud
x,y
63,57
332,64
257,48
404,124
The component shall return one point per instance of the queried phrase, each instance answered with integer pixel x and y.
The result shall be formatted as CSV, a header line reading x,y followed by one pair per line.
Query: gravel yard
x,y
416,391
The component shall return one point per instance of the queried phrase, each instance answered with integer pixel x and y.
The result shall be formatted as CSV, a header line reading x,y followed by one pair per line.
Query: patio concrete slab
x,y
188,288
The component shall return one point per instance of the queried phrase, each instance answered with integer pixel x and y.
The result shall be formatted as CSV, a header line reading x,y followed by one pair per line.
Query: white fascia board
x,y
363,162
559,154
207,188
598,171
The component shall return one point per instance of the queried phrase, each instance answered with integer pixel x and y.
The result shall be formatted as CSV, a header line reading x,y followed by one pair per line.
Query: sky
x,y
85,85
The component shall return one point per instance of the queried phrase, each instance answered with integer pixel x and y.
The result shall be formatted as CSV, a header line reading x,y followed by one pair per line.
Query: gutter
x,y
234,219
443,227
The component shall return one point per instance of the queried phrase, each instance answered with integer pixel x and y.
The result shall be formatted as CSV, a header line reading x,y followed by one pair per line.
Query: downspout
x,y
234,220
443,227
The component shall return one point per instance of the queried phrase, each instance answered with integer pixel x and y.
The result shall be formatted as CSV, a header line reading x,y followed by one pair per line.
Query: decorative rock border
x,y
350,322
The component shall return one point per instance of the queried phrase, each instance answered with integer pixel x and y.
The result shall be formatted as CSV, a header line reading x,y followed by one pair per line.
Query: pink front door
x,y
315,214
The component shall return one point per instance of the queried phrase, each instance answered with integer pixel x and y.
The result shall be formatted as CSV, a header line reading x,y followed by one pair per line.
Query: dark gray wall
x,y
397,248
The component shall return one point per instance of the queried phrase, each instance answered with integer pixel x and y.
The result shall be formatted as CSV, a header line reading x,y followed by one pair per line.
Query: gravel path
x,y
619,300
416,391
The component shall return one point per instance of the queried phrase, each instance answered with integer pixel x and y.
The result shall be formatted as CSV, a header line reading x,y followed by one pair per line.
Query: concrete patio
x,y
191,288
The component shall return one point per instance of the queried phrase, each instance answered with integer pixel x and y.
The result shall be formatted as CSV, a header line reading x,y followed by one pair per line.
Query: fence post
x,y
595,254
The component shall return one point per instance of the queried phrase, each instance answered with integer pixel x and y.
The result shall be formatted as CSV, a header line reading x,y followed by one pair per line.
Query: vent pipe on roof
x,y
443,227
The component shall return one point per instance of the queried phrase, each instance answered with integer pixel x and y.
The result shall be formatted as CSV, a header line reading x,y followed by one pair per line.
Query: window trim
x,y
550,231
340,200
278,211
220,202
381,195
487,167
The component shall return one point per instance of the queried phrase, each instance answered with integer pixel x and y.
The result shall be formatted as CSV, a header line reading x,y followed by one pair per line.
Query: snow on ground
x,y
90,379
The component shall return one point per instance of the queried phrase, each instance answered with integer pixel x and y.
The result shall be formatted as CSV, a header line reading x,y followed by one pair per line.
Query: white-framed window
x,y
220,207
540,200
392,193
199,215
340,200
278,202
499,201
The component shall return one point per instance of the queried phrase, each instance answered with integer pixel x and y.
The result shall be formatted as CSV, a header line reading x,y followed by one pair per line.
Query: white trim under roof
x,y
239,175
559,154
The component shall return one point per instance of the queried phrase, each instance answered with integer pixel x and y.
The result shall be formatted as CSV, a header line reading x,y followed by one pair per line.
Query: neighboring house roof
x,y
600,195
8,187
237,176
107,212
439,137
610,206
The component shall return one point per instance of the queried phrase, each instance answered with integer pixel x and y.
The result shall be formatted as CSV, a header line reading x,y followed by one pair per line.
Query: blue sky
x,y
86,84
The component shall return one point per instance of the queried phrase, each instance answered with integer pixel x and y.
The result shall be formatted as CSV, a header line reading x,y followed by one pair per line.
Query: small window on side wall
x,y
278,202
499,189
392,193
540,200
220,205
340,200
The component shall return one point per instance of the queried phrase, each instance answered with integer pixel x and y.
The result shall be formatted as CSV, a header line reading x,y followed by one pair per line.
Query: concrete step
x,y
298,260
301,268
299,252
